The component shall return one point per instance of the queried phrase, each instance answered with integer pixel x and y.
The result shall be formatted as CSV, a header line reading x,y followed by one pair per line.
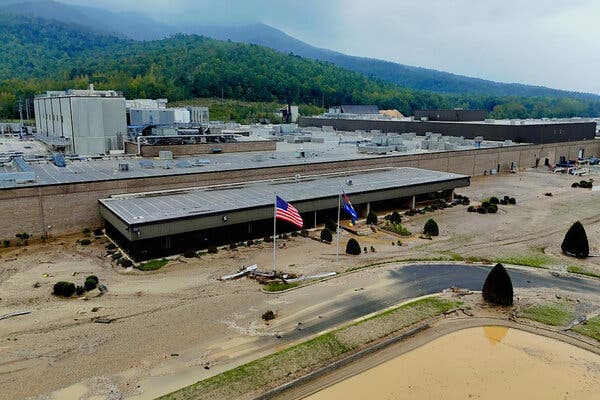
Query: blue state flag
x,y
348,208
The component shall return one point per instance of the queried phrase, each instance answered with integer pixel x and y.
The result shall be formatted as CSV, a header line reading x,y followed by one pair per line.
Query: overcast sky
x,y
553,43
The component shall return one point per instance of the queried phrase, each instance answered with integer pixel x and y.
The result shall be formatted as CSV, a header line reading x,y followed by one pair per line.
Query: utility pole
x,y
27,109
21,116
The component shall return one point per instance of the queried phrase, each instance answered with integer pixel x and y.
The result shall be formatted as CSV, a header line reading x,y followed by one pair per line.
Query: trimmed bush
x,y
466,201
471,209
86,231
353,247
90,284
575,243
575,185
93,278
326,235
98,232
85,242
64,289
586,184
79,290
372,249
268,315
431,228
125,262
492,209
482,210
329,224
498,288
512,201
494,200
190,253
6,243
396,218
212,250
372,218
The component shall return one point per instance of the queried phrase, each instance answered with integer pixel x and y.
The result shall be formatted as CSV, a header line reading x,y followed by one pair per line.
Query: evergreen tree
x,y
575,243
498,288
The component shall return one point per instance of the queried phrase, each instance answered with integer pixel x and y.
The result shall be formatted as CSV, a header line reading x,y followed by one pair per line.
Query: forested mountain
x,y
138,27
40,55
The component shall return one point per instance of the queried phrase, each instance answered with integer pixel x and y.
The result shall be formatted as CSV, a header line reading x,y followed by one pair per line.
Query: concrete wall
x,y
193,149
540,133
69,208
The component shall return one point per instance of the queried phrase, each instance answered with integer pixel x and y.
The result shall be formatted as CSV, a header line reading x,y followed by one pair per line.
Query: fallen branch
x,y
15,314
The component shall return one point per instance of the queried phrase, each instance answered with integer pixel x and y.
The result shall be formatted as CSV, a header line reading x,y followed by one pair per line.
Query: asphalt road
x,y
402,283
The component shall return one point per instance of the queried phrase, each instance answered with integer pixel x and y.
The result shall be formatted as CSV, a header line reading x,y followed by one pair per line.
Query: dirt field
x,y
180,319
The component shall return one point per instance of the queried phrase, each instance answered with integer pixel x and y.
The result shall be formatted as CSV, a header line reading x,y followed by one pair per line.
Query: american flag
x,y
287,212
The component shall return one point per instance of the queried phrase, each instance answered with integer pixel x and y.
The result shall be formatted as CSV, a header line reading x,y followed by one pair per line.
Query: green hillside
x,y
39,55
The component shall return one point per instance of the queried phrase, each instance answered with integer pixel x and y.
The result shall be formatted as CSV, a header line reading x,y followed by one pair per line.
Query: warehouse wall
x,y
193,149
68,208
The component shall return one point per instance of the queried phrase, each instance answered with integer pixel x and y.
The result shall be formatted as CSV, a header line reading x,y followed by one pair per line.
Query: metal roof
x,y
137,209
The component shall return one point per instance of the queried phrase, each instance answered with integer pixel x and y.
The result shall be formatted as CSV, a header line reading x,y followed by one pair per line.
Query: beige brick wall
x,y
194,149
70,208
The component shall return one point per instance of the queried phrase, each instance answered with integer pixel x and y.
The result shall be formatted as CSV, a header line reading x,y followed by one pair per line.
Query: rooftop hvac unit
x,y
146,164
165,155
123,167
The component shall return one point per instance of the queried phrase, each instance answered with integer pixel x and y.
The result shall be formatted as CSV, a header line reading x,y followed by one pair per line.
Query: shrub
x,y
189,253
575,185
471,209
86,231
332,226
498,288
372,249
585,184
284,237
431,228
268,239
512,201
116,256
396,218
111,246
466,201
353,247
294,234
23,238
399,243
212,250
575,243
268,315
326,235
6,243
506,198
90,284
79,290
485,204
64,289
372,218
93,278
304,233
492,209
85,242
125,262
494,200
251,242
397,228
232,246
504,202
482,210
365,250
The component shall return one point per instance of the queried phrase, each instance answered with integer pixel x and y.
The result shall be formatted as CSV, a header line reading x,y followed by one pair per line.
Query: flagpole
x,y
337,252
275,233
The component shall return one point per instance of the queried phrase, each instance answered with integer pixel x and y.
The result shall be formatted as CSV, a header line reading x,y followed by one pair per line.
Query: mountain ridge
x,y
139,27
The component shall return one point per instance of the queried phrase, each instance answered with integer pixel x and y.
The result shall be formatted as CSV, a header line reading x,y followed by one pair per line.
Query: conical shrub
x,y
326,235
353,247
575,243
498,288
431,228
372,218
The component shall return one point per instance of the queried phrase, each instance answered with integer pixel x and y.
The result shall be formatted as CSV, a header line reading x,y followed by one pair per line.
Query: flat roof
x,y
143,208
88,169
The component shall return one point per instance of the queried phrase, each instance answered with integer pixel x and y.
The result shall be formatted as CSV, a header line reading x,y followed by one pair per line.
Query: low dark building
x,y
451,115
519,131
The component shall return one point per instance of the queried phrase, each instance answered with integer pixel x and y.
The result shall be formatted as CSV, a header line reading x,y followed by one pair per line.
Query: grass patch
x,y
591,328
152,265
555,313
278,287
575,269
268,371
529,260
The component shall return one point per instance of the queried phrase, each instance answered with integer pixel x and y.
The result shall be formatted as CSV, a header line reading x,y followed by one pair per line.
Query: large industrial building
x,y
81,121
466,123
154,224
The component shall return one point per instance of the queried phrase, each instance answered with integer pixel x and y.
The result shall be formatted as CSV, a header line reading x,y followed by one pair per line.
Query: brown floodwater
x,y
479,363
